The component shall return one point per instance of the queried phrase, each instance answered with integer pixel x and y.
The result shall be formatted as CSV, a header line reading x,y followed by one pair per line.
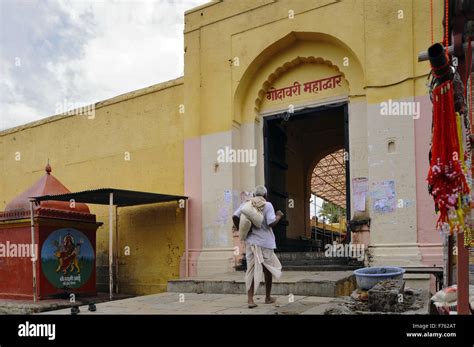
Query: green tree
x,y
331,212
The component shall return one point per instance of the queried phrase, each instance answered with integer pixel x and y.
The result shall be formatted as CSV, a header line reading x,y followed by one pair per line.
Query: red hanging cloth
x,y
445,177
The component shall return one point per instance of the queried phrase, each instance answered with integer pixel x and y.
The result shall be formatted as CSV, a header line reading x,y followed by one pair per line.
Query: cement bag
x,y
255,216
244,226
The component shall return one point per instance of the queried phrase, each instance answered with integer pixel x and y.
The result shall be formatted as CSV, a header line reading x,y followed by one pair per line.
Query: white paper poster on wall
x,y
360,186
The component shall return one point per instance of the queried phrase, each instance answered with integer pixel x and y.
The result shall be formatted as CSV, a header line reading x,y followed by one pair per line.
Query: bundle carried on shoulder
x,y
252,213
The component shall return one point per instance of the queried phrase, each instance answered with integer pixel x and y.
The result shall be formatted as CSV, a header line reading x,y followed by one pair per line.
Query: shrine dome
x,y
46,185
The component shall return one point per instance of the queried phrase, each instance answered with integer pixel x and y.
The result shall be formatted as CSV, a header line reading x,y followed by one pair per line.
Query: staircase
x,y
312,261
316,261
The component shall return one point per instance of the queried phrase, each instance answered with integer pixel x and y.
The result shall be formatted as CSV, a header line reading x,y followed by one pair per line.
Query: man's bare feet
x,y
252,305
270,300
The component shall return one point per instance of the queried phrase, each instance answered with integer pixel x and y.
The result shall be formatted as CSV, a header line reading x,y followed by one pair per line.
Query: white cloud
x,y
84,51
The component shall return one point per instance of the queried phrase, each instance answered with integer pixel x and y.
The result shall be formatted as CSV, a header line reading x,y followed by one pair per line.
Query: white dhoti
x,y
257,257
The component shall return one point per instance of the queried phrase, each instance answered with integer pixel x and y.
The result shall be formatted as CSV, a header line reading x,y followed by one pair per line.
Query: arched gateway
x,y
300,114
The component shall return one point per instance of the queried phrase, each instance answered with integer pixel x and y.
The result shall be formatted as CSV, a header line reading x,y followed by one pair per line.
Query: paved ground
x,y
169,303
302,283
287,276
10,306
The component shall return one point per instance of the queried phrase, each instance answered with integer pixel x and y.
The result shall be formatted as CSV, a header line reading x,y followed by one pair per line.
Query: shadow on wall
x,y
150,244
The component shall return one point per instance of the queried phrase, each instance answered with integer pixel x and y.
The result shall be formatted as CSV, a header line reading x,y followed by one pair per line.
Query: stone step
x,y
312,267
332,267
315,262
301,255
324,283
314,257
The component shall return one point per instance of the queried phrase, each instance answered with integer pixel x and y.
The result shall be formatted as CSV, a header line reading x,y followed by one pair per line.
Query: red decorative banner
x,y
308,87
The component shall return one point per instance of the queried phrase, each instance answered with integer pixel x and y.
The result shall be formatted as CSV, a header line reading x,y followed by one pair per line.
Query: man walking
x,y
259,248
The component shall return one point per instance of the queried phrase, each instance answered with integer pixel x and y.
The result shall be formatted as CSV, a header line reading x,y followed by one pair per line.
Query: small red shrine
x,y
62,257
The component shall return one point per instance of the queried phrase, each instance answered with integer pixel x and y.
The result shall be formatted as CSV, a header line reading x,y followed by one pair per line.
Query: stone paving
x,y
169,303
312,293
11,306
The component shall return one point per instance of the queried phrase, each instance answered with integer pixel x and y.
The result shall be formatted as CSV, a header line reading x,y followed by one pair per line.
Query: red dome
x,y
46,185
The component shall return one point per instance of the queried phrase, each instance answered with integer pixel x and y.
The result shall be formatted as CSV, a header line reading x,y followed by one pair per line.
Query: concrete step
x,y
331,267
315,262
301,255
324,283
302,258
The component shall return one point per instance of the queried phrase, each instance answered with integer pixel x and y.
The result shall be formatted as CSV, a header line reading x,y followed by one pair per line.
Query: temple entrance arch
x,y
280,92
304,116
294,146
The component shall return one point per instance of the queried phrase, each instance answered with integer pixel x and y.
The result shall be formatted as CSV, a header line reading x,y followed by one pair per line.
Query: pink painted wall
x,y
429,240
193,189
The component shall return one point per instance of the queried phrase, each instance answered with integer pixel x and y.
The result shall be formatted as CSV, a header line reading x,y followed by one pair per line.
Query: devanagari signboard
x,y
311,87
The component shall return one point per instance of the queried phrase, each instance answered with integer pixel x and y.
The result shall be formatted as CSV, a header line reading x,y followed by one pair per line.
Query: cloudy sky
x,y
54,53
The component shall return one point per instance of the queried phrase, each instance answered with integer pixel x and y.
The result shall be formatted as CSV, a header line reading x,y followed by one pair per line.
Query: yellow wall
x,y
155,235
90,153
381,48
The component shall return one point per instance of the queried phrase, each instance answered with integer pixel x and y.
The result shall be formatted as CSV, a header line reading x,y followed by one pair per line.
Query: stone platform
x,y
302,283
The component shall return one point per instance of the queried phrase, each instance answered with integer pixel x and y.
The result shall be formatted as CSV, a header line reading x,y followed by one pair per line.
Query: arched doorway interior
x,y
294,144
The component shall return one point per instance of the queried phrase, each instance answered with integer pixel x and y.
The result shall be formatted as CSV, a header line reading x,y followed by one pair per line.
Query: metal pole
x,y
33,253
324,231
423,56
117,251
332,233
347,169
315,221
187,237
315,208
111,255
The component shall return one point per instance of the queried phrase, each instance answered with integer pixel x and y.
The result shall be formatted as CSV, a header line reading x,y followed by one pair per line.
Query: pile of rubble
x,y
385,297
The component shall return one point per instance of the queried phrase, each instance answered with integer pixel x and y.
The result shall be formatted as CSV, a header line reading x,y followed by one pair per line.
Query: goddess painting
x,y
67,254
